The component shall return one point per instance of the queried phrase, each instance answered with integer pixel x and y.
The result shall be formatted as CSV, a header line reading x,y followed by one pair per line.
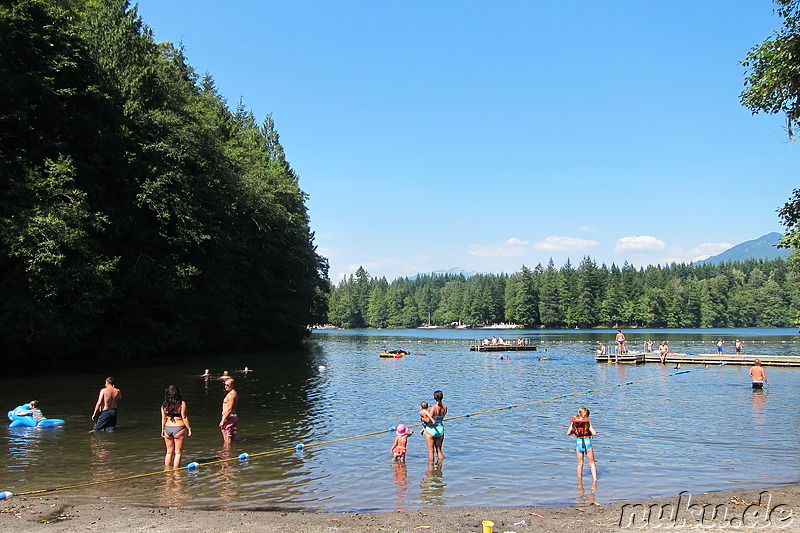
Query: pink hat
x,y
402,430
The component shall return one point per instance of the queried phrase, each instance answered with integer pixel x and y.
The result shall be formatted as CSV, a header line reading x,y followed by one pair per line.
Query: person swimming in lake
x,y
582,428
400,442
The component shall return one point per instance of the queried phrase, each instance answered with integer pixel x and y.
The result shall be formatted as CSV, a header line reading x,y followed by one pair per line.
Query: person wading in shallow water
x,y
758,375
434,430
229,417
106,406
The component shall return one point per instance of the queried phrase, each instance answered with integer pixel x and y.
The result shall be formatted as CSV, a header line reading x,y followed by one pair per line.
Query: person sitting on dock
x,y
758,375
601,348
663,350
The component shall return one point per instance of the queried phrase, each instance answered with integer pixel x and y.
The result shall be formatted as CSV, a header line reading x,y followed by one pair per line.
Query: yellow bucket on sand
x,y
488,526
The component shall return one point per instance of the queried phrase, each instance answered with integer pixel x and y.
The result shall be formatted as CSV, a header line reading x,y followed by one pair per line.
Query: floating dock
x,y
630,358
502,348
700,359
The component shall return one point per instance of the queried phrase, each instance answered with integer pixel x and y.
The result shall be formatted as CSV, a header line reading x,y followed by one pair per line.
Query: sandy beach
x,y
765,509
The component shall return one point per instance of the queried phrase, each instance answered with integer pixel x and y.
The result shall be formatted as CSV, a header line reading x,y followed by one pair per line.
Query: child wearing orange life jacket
x,y
582,428
400,442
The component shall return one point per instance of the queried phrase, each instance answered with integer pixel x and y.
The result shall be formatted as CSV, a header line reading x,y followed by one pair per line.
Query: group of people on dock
x,y
500,341
663,349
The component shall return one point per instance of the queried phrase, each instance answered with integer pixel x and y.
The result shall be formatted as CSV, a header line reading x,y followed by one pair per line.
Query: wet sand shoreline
x,y
765,509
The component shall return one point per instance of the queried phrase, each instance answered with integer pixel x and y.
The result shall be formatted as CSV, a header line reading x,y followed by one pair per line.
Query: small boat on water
x,y
394,354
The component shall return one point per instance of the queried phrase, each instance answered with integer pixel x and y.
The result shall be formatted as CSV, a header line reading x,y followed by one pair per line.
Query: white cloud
x,y
565,244
327,252
366,266
644,243
676,254
706,250
587,228
512,247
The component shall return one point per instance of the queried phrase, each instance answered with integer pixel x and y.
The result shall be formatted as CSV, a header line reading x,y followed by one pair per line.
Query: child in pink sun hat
x,y
400,442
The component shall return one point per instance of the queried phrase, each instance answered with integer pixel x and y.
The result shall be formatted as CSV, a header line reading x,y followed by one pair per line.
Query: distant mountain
x,y
452,271
761,248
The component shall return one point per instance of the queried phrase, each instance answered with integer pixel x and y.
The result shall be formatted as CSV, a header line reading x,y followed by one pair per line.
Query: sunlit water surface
x,y
659,435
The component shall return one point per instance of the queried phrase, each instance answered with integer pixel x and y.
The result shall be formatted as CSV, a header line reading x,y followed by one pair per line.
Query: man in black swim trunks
x,y
106,406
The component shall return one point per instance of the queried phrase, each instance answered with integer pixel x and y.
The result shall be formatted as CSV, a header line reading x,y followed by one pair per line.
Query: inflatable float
x,y
18,419
394,354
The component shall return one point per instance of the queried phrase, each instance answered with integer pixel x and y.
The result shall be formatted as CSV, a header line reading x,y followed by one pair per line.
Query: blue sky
x,y
491,135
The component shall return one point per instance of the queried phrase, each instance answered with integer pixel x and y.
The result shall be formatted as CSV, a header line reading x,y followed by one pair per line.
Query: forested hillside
x,y
753,293
139,215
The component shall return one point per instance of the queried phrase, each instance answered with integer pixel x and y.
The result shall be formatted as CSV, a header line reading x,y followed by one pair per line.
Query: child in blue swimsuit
x,y
423,416
582,428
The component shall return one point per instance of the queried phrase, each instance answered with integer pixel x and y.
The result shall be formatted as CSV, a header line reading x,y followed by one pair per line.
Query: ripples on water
x,y
704,430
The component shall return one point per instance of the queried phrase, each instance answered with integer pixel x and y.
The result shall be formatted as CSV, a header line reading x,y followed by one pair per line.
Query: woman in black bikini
x,y
174,426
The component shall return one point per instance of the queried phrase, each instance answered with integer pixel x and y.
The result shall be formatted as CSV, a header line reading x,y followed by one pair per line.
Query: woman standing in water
x,y
174,426
434,431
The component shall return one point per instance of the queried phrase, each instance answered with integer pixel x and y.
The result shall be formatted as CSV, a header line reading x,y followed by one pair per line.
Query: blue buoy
x,y
391,428
192,465
5,495
243,456
299,447
466,415
509,406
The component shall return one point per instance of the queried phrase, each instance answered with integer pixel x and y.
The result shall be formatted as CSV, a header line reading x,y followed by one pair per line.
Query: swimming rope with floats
x,y
245,456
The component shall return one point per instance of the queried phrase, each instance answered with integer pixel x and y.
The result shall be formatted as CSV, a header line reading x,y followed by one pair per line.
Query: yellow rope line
x,y
332,441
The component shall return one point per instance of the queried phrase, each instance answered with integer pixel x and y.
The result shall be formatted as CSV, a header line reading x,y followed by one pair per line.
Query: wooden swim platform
x,y
502,348
630,358
700,359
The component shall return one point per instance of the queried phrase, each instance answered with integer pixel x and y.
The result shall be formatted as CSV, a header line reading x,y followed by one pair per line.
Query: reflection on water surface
x,y
660,435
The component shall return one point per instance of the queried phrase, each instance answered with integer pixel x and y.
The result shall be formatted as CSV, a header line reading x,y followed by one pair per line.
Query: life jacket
x,y
581,427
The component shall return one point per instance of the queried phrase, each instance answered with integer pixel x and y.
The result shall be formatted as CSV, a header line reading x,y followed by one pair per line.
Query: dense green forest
x,y
754,293
139,215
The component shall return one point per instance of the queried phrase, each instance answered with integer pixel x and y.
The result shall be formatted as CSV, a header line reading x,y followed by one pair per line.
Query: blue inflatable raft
x,y
18,419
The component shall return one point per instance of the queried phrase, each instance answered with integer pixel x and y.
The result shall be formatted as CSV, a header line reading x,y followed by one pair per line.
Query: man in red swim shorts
x,y
229,418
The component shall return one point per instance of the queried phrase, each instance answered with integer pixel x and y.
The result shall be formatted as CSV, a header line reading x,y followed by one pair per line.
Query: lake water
x,y
659,435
